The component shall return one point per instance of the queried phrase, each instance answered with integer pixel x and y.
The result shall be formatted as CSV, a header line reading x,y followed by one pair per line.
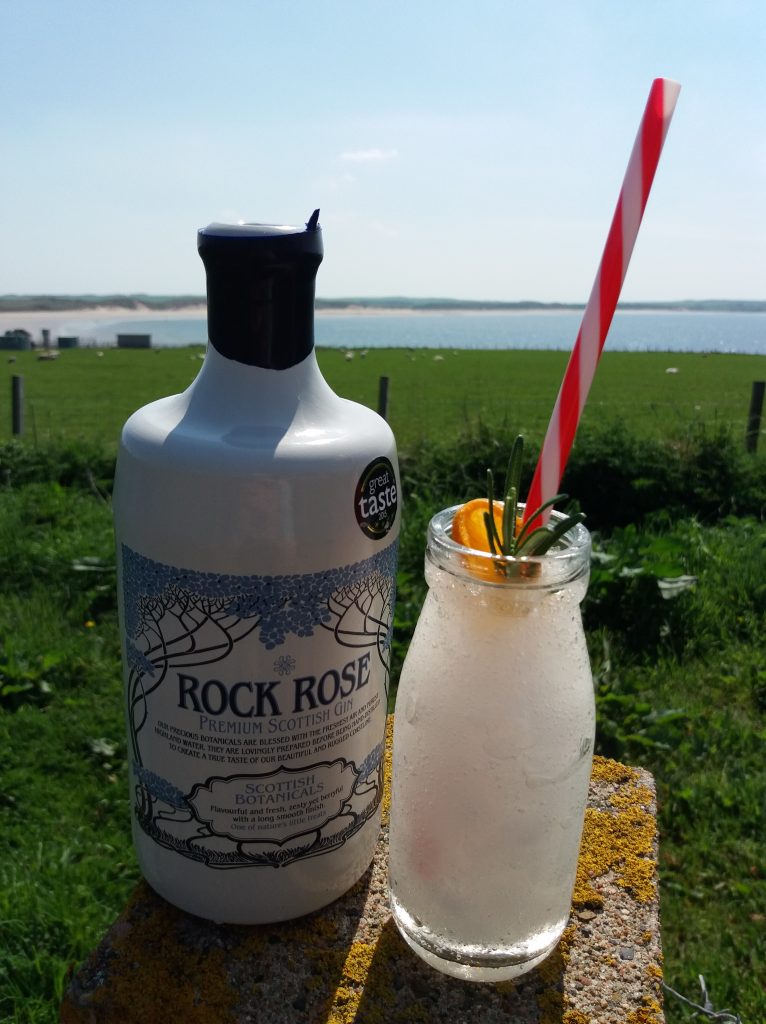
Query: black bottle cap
x,y
260,290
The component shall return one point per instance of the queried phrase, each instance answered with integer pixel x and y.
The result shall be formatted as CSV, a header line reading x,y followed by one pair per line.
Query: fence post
x,y
17,405
383,397
754,415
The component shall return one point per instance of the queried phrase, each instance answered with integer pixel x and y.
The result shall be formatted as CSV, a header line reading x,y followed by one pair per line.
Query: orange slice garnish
x,y
468,526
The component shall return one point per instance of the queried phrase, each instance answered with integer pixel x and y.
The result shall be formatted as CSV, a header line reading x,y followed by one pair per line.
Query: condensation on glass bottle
x,y
493,743
256,519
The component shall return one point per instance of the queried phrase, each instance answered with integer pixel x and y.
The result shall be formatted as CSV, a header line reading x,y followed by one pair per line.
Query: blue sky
x,y
471,149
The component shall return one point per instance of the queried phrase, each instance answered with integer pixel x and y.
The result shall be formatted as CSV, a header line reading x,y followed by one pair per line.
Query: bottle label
x,y
256,706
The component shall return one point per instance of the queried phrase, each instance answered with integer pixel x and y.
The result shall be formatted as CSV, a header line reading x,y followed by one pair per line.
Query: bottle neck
x,y
260,296
267,323
566,566
227,391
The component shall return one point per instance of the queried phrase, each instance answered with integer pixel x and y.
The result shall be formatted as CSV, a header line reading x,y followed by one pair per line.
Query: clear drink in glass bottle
x,y
493,743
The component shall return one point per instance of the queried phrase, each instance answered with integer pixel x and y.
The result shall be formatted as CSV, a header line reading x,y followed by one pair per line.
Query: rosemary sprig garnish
x,y
524,542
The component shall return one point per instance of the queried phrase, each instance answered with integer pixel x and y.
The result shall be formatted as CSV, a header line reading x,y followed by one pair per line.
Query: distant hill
x,y
159,303
65,303
478,305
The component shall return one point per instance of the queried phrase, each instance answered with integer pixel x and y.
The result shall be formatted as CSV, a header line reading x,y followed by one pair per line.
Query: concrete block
x,y
348,965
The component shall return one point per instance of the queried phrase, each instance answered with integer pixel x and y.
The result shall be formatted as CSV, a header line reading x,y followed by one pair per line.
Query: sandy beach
x,y
61,322
360,326
91,324
86,322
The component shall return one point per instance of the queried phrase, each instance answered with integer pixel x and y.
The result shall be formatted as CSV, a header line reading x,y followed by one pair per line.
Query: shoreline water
x,y
54,320
362,327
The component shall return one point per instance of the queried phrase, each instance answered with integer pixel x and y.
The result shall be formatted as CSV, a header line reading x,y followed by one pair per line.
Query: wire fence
x,y
706,1006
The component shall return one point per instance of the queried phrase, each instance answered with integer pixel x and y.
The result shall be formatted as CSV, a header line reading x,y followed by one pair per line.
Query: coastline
x,y
89,318
359,326
58,321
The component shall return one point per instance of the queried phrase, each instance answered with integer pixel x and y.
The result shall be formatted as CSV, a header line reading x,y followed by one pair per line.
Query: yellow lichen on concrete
x,y
649,1013
321,927
160,979
345,1004
621,841
354,976
654,974
605,770
550,1005
387,757
365,989
552,1001
357,965
636,796
575,1017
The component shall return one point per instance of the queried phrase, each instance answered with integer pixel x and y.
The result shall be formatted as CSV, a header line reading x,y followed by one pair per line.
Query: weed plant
x,y
680,672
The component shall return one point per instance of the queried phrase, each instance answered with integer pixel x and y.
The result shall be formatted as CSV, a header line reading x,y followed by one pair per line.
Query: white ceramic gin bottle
x,y
256,518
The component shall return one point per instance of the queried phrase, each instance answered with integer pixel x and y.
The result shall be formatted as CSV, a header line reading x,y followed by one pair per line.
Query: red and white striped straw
x,y
606,291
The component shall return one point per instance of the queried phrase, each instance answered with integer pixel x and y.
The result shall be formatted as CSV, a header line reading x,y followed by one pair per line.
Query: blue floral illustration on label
x,y
275,605
160,788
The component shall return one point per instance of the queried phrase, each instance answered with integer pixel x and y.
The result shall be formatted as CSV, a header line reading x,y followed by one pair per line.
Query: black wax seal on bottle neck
x,y
260,290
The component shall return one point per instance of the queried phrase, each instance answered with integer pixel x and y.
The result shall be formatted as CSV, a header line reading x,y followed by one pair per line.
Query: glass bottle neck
x,y
560,567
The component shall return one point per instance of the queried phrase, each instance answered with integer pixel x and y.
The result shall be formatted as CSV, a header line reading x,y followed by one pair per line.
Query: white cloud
x,y
369,155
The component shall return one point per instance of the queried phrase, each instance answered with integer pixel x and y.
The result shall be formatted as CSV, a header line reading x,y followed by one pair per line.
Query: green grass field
x,y
432,394
681,685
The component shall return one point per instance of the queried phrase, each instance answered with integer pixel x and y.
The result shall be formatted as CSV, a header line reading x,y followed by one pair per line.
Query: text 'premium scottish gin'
x,y
256,517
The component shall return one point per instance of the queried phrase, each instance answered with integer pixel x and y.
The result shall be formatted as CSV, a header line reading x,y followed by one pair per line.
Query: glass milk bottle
x,y
493,740
256,518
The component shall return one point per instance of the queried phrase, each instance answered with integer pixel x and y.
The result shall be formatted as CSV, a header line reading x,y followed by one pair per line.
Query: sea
x,y
631,331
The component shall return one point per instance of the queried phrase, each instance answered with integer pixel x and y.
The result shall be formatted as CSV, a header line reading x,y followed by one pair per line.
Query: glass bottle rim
x,y
564,563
